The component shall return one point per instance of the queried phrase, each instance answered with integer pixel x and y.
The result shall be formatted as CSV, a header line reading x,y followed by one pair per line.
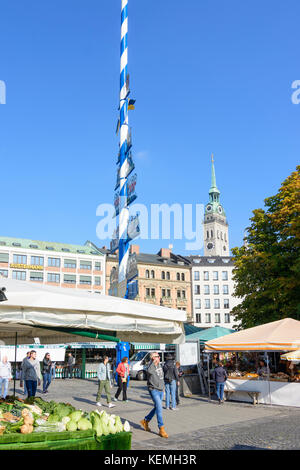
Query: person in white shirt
x,y
5,376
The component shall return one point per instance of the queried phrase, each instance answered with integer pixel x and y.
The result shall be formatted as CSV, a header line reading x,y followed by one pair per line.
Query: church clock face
x,y
208,208
220,210
210,246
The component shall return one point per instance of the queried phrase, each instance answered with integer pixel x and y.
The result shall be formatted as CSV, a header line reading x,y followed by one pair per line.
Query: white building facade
x,y
56,264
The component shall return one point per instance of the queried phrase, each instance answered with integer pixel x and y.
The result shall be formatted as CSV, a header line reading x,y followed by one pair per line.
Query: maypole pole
x,y
124,148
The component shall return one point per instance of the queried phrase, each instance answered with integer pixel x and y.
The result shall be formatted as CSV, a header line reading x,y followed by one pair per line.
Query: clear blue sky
x,y
208,76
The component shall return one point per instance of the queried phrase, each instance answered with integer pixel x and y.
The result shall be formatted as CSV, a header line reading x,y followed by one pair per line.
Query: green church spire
x,y
214,193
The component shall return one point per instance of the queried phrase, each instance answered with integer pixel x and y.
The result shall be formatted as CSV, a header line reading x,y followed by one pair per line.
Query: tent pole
x,y
270,399
208,377
15,374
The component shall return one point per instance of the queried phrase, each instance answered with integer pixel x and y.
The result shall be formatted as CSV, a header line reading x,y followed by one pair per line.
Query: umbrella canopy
x,y
36,310
210,333
281,335
291,356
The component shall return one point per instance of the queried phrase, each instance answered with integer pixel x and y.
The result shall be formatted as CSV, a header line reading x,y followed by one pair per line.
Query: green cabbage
x,y
53,419
84,424
75,415
71,426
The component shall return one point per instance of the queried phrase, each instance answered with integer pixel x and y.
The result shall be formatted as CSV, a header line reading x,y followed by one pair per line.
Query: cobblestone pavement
x,y
198,424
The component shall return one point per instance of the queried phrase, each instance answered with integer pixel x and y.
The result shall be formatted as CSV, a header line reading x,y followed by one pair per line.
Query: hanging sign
x,y
132,268
133,230
128,167
132,289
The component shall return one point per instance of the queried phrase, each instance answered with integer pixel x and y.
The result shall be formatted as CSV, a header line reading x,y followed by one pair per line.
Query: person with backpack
x,y
123,373
171,379
220,377
46,372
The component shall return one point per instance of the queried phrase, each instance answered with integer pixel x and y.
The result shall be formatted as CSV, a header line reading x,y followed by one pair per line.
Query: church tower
x,y
216,242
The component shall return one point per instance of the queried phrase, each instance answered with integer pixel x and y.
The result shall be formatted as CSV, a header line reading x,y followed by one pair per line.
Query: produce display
x,y
39,416
243,375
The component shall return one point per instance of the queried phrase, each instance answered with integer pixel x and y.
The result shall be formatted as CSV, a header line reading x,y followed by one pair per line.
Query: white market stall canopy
x,y
31,308
281,335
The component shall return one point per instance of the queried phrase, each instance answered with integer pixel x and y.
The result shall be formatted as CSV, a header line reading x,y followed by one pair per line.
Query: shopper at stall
x,y
31,374
5,376
220,377
46,372
123,373
263,369
171,380
26,357
155,384
104,376
180,374
70,365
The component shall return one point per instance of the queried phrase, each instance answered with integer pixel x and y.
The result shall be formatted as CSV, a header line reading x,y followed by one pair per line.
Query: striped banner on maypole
x,y
124,135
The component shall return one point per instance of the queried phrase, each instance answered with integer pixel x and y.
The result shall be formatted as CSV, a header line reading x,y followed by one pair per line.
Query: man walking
x,y
220,377
26,357
104,376
31,374
171,379
70,365
155,385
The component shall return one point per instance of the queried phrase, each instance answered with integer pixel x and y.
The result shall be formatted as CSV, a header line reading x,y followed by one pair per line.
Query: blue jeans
x,y
170,389
31,387
46,381
157,397
3,383
220,390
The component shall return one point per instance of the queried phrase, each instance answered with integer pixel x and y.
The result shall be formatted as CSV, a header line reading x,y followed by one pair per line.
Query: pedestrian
x,y
123,373
155,384
53,370
31,373
104,376
5,376
46,372
180,374
70,365
220,377
171,379
26,357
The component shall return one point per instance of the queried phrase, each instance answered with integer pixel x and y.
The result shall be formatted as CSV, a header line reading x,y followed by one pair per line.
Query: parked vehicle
x,y
140,361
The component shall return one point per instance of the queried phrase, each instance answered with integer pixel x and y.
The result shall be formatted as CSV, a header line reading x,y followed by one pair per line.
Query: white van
x,y
140,361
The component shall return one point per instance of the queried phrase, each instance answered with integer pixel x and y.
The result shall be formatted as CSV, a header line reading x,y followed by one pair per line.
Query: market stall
x,y
253,360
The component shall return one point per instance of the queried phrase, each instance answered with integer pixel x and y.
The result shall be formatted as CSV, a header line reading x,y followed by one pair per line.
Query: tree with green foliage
x,y
267,267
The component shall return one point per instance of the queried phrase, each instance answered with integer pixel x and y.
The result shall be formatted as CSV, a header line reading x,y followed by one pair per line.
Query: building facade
x,y
55,264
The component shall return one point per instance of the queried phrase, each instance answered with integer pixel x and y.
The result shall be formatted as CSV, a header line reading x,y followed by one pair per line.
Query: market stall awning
x,y
32,309
291,356
281,335
210,334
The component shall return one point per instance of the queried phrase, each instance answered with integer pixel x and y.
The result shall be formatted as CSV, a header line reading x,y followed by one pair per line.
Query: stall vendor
x,y
263,369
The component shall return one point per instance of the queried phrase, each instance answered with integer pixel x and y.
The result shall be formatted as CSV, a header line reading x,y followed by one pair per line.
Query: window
x,y
178,276
216,289
217,318
152,292
54,262
207,234
147,292
207,303
37,260
53,277
168,276
198,303
221,235
178,294
225,289
198,317
98,266
225,275
4,272
168,293
20,259
226,303
216,303
70,263
207,318
152,274
85,280
215,275
37,276
183,294
163,275
69,279
196,276
97,281
218,234
206,276
19,275
197,290
206,289
87,265
182,277
163,292
211,234
4,257
227,318
147,273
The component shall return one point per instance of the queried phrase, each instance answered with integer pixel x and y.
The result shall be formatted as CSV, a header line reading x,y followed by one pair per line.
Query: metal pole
x,y
16,341
208,377
269,379
124,132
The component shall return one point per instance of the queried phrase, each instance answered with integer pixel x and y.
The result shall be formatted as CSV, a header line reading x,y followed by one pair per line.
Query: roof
x,y
191,329
211,261
210,333
281,335
87,249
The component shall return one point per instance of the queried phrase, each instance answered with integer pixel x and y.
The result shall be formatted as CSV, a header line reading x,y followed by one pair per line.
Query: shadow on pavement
x,y
242,447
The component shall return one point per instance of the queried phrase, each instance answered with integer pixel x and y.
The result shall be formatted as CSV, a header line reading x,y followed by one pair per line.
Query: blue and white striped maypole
x,y
124,132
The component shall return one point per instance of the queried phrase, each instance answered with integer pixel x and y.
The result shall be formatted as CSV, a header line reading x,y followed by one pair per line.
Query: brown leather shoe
x,y
162,432
145,425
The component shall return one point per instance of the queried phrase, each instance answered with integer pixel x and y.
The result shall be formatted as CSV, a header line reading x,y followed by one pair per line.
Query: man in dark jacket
x,y
171,379
155,385
220,377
